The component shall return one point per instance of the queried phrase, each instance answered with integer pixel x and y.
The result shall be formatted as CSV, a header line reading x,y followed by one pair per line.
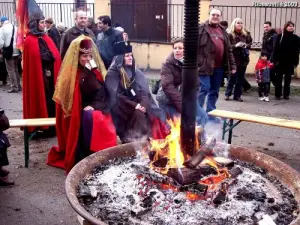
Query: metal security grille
x,y
60,12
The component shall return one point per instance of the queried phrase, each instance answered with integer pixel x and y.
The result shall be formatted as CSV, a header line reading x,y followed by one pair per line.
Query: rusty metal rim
x,y
283,172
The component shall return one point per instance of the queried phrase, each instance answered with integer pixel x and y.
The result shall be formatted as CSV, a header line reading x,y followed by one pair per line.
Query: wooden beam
x,y
272,121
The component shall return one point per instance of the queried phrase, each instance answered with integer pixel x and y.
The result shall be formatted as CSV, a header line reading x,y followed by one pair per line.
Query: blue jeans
x,y
170,110
210,86
236,80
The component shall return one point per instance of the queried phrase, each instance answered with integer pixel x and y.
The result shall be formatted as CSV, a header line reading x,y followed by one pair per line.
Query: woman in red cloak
x,y
41,63
83,122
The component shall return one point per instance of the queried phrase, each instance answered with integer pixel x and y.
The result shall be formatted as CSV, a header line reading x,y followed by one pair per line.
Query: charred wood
x,y
235,172
221,196
185,176
161,163
199,189
195,160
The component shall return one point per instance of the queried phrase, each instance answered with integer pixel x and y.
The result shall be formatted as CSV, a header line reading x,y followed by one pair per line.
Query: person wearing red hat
x,y
41,63
83,121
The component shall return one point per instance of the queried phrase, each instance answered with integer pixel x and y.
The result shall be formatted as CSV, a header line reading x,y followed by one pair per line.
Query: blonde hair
x,y
232,27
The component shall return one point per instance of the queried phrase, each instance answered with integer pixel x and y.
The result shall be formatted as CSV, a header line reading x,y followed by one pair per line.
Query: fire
x,y
213,181
170,147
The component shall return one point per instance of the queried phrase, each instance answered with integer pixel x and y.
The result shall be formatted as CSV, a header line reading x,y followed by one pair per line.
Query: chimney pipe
x,y
189,77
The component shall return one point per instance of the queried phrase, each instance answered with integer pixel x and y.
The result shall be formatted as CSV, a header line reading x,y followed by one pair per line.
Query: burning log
x,y
199,189
148,173
204,151
195,160
222,194
224,162
185,176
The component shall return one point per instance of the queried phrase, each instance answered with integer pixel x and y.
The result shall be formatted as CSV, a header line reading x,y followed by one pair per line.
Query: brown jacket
x,y
206,53
171,79
72,34
241,55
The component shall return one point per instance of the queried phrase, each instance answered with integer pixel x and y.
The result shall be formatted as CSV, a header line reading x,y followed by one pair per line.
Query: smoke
x,y
215,130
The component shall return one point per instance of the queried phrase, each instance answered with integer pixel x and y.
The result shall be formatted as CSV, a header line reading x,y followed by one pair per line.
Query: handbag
x,y
8,51
4,122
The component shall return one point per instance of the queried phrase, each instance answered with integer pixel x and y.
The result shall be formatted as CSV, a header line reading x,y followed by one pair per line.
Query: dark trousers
x,y
3,73
236,81
286,87
246,85
263,89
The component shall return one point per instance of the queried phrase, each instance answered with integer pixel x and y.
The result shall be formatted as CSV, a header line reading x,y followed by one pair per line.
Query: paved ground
x,y
39,198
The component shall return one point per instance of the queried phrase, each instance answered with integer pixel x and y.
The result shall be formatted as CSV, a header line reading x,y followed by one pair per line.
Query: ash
x,y
117,195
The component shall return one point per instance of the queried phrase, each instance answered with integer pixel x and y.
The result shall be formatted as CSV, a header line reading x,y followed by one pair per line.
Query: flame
x,y
170,146
213,181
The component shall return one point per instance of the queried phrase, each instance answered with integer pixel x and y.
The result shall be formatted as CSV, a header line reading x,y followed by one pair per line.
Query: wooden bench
x,y
239,117
25,124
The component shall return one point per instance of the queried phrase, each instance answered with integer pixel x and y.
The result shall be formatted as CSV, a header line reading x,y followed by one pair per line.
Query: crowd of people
x,y
86,77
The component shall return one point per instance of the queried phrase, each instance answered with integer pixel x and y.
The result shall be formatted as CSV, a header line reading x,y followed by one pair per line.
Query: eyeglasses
x,y
239,22
215,15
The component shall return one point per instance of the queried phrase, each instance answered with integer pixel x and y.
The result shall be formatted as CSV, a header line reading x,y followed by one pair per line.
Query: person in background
x,y
169,96
286,58
3,71
8,35
267,47
52,32
107,39
215,58
80,28
262,73
241,42
93,26
41,64
4,145
83,120
61,28
135,113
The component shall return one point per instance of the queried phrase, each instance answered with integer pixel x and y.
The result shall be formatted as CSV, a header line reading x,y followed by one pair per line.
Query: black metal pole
x,y
189,77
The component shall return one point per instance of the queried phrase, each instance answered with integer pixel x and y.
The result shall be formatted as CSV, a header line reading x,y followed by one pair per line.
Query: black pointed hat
x,y
34,11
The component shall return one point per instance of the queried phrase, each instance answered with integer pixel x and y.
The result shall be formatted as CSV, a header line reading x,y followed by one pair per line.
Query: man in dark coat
x,y
52,32
107,39
74,32
215,58
268,45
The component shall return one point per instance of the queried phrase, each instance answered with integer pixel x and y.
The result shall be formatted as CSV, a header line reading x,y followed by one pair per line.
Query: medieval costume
x,y
129,89
80,131
41,63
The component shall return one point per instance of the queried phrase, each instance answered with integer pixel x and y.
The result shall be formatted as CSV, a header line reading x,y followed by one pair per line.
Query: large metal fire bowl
x,y
287,175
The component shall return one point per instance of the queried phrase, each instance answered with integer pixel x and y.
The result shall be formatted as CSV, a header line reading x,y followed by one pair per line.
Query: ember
x,y
129,192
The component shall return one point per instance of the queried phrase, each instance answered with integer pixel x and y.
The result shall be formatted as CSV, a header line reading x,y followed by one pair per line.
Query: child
x,y
262,73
